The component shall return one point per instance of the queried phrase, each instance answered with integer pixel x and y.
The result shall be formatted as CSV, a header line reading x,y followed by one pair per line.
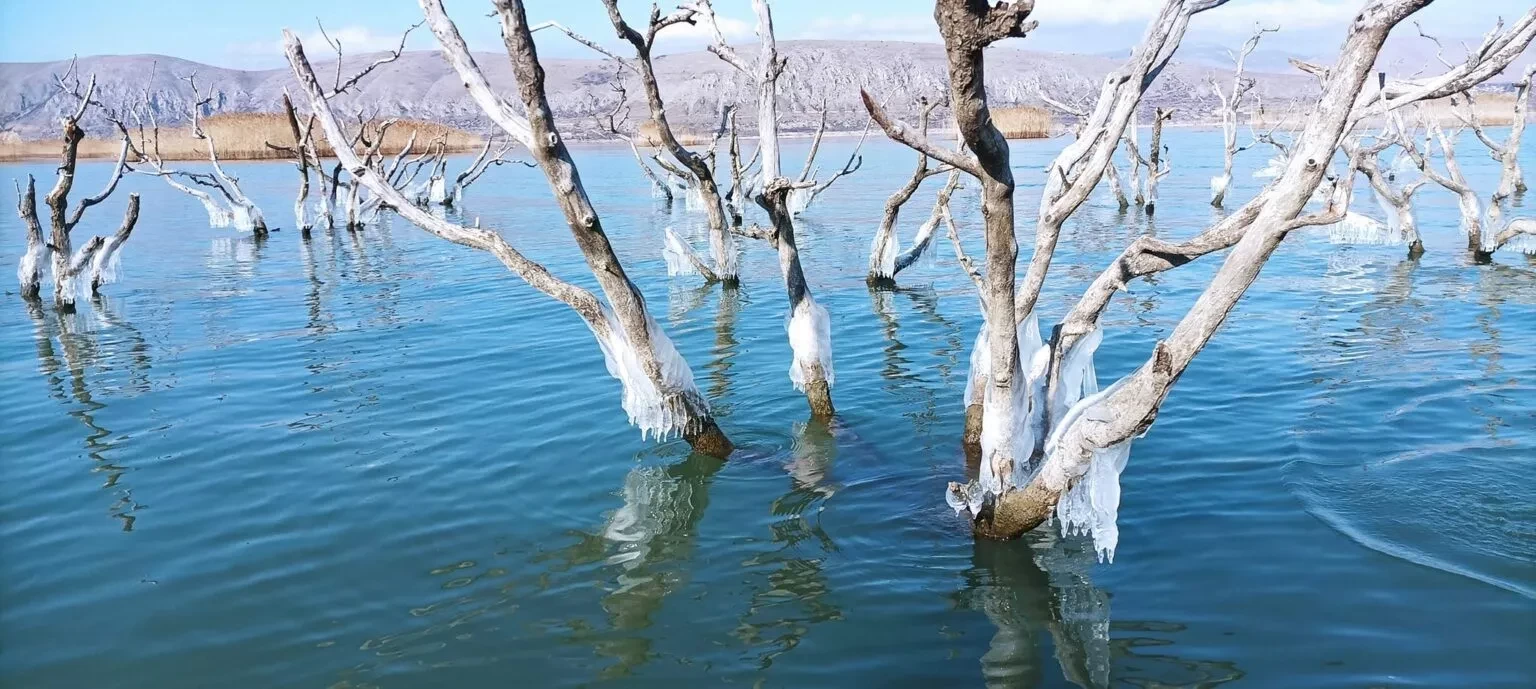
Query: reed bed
x,y
1022,121
243,136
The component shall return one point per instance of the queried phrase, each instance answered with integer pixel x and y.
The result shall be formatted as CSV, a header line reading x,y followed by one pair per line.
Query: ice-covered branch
x,y
1230,101
660,396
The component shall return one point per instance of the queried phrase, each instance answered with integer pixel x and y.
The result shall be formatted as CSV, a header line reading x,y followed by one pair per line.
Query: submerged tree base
x,y
1015,512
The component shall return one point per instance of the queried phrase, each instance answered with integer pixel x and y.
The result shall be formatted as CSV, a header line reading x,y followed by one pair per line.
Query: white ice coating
x,y
981,366
676,251
722,245
648,409
437,191
1219,185
693,199
31,264
244,217
106,265
1275,167
1524,243
1012,424
882,254
1078,377
810,336
658,191
218,216
799,200
369,210
1361,229
1092,505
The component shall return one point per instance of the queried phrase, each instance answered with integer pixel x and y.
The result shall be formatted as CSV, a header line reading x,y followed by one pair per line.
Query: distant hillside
x,y
420,85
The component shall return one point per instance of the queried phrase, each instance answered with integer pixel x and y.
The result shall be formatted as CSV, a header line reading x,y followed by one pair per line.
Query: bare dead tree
x,y
1158,167
1091,441
809,325
1396,200
1452,180
885,255
620,112
807,189
98,255
1229,103
302,151
479,165
659,394
1507,153
697,172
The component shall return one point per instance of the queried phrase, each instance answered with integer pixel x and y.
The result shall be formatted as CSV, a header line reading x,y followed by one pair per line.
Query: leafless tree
x,y
659,393
304,158
809,325
1051,441
1230,101
99,255
1507,153
698,171
1396,199
886,258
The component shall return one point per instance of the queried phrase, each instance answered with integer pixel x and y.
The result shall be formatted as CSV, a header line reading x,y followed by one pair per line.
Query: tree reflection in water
x,y
69,349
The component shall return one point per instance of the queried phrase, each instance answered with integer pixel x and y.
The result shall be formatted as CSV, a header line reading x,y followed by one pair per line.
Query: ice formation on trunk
x,y
920,244
810,336
300,214
722,245
1361,229
1275,167
676,252
1009,426
1219,185
437,191
663,414
882,254
1078,377
31,264
1525,242
693,199
218,216
1092,504
799,200
106,265
245,217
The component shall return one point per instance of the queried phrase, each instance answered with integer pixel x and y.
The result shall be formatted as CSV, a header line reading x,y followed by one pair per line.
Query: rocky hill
x,y
421,85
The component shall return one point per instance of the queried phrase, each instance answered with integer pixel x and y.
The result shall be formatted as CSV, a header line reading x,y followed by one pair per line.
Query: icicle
x,y
882,254
240,218
653,412
676,251
217,215
798,201
1092,505
1525,242
437,191
300,214
31,261
458,195
810,336
981,366
369,210
658,191
722,245
1078,378
694,199
106,265
1275,168
1360,229
1219,185
920,244
1009,426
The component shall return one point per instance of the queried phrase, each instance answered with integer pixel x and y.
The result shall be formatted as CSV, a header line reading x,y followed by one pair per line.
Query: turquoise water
x,y
380,460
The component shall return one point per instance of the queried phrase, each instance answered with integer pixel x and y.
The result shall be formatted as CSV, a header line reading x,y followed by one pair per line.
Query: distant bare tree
x,y
809,325
659,392
99,255
1230,101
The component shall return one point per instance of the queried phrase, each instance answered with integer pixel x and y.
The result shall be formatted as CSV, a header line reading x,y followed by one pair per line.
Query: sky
x,y
245,34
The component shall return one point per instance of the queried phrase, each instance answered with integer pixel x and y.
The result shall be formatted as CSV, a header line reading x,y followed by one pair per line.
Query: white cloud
x,y
355,40
863,27
699,34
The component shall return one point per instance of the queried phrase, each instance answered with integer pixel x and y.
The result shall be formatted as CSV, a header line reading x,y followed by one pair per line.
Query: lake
x,y
381,460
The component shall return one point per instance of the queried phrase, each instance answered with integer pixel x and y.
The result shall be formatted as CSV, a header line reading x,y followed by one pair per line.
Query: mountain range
x,y
821,75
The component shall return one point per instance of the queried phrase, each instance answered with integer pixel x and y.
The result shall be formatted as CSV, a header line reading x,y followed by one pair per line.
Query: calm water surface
x,y
380,460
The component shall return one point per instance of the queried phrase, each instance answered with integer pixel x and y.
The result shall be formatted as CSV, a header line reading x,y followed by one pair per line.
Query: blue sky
x,y
239,33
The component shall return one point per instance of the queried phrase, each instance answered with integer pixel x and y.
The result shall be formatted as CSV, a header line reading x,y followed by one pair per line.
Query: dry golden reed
x,y
1022,121
242,136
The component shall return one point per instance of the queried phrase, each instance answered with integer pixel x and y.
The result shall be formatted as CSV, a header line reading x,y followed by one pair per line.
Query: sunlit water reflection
x,y
379,460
